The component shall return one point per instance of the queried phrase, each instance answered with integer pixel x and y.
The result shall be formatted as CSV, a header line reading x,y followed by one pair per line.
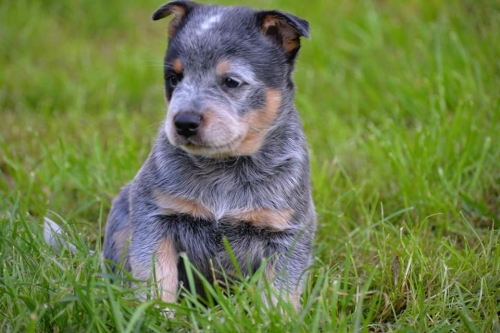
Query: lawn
x,y
400,101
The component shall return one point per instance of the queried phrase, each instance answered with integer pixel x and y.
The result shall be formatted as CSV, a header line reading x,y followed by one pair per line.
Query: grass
x,y
400,103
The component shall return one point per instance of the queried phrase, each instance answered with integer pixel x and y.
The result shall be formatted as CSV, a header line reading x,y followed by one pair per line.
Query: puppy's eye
x,y
173,80
231,83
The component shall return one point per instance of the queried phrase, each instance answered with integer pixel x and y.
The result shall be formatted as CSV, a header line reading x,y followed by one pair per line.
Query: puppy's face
x,y
225,71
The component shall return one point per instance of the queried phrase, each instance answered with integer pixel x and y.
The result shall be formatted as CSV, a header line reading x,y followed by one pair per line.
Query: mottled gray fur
x,y
275,177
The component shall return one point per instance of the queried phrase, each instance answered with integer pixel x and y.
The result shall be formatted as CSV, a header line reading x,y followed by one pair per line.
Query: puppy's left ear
x,y
284,29
180,9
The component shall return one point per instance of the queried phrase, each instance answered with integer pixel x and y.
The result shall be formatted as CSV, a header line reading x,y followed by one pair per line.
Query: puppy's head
x,y
226,71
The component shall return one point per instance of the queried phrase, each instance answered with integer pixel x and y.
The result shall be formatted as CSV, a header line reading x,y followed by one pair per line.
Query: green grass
x,y
401,105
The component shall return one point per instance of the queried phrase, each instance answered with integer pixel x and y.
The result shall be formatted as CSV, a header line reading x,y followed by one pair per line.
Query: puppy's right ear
x,y
180,9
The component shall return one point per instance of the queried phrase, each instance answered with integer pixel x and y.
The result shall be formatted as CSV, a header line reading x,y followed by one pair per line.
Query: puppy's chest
x,y
227,210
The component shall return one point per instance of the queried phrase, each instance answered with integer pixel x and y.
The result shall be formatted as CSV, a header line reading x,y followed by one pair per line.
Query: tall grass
x,y
401,105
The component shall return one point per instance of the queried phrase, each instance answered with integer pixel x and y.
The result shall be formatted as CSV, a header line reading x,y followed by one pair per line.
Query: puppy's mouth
x,y
193,146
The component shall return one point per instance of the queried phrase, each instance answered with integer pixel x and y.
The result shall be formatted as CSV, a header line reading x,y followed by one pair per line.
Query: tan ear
x,y
284,29
180,9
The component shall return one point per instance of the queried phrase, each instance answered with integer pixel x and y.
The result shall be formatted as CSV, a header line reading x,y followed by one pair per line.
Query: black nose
x,y
187,124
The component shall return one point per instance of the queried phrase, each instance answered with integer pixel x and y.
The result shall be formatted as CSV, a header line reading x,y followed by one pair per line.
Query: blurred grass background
x,y
401,105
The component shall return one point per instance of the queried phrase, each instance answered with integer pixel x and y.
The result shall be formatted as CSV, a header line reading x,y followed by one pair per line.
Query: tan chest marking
x,y
276,220
171,204
273,219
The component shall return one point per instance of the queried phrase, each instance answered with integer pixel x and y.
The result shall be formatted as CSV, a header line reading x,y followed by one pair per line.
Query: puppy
x,y
230,161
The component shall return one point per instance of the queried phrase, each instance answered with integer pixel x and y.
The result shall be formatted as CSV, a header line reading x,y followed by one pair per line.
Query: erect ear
x,y
180,9
284,29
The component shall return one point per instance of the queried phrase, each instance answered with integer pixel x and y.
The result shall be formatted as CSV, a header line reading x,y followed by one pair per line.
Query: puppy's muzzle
x,y
187,123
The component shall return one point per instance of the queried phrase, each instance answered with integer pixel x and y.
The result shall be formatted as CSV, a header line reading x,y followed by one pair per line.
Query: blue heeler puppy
x,y
230,161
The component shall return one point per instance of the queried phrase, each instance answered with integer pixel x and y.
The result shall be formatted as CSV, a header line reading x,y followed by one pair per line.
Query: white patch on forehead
x,y
208,23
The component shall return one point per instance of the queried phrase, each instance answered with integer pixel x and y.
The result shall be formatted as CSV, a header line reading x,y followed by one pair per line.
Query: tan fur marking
x,y
259,121
170,204
288,34
223,67
166,271
177,66
290,44
276,220
179,13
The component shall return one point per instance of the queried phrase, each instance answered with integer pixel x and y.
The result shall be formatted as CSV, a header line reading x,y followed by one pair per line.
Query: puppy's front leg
x,y
166,261
155,249
283,288
285,270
